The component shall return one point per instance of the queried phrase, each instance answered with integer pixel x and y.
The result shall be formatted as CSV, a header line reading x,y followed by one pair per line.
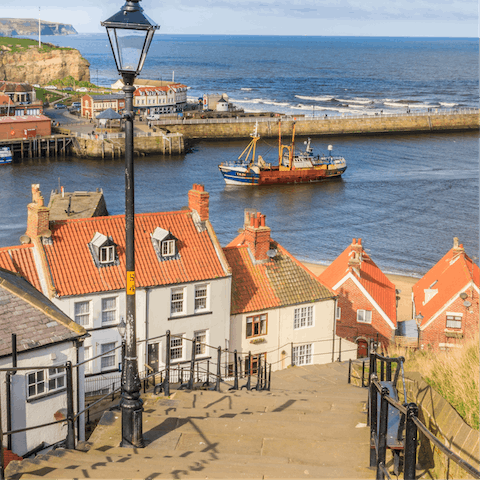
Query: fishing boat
x,y
5,155
302,167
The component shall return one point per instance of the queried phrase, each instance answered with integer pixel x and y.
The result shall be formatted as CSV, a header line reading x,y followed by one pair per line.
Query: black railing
x,y
395,425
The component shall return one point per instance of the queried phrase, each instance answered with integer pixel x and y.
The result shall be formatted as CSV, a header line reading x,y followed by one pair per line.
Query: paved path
x,y
311,425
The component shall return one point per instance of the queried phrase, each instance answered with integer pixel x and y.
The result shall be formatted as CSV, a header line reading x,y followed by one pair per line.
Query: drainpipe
x,y
334,327
146,327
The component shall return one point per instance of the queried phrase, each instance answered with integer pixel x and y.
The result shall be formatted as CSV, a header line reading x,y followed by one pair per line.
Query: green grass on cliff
x,y
11,44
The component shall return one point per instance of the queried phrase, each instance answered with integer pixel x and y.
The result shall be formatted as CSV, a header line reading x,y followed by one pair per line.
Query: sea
x,y
406,196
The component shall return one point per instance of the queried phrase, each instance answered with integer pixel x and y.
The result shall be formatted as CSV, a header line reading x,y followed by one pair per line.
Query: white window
x,y
302,354
109,310
256,325
364,316
176,348
108,360
303,317
82,313
454,321
338,313
178,301
45,381
201,292
168,248
107,254
200,342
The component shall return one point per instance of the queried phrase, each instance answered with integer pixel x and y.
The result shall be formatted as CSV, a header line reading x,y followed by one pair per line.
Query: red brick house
x,y
366,307
446,300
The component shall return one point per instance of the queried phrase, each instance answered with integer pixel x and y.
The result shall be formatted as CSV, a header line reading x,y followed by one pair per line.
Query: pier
x,y
440,121
48,146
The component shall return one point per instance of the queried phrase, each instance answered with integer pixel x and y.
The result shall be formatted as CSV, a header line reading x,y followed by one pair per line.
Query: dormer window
x,y
103,250
165,245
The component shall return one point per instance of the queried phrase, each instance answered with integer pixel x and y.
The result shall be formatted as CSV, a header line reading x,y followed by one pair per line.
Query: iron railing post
x,y
192,365
382,370
372,420
389,372
350,371
339,349
269,376
410,455
373,365
382,435
219,366
166,382
363,375
70,441
292,361
235,366
259,373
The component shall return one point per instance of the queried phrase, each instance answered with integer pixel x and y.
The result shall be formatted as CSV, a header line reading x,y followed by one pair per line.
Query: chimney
x,y
356,249
198,200
457,248
257,235
38,216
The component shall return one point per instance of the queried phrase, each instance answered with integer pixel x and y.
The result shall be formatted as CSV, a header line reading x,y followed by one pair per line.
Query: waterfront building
x,y
215,101
445,300
279,308
24,127
366,306
18,92
45,336
183,281
170,98
19,99
92,105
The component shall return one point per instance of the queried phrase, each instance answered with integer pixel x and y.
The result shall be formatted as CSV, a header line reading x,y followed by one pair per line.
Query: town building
x,y
143,82
37,334
19,99
170,98
216,101
18,92
366,307
91,105
24,127
279,308
183,282
445,300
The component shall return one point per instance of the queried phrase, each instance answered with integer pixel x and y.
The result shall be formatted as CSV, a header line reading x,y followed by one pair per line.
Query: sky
x,y
395,18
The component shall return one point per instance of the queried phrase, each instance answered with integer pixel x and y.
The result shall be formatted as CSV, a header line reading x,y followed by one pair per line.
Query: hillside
x,y
22,61
29,26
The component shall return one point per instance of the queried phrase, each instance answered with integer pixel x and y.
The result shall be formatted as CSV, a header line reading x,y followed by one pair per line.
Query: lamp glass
x,y
121,327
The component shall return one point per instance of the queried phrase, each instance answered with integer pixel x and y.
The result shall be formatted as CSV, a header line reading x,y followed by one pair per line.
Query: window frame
x,y
306,355
111,355
176,291
256,320
453,317
201,347
309,318
168,248
359,315
181,346
110,254
114,310
83,314
206,297
49,375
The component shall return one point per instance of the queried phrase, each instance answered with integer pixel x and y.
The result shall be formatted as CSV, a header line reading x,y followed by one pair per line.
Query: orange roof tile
x,y
20,260
74,271
375,282
278,282
451,274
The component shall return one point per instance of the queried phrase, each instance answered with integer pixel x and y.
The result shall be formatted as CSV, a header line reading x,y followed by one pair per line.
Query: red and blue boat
x,y
5,155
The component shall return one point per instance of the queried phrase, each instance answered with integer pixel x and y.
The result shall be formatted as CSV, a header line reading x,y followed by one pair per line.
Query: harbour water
x,y
406,196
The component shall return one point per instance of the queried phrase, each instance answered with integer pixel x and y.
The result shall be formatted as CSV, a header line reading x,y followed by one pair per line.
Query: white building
x,y
170,98
183,282
279,308
45,337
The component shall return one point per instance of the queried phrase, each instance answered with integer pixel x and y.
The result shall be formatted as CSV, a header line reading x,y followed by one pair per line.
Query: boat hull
x,y
277,177
5,155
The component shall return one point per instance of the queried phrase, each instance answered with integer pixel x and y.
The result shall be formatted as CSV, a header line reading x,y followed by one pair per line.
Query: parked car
x,y
154,116
76,104
68,89
59,105
50,87
36,85
82,89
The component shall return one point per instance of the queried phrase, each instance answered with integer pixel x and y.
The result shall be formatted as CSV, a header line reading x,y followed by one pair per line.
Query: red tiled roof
x,y
70,253
280,281
375,282
20,260
448,276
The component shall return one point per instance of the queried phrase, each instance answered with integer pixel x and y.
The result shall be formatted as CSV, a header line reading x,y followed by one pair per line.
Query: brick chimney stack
x,y
38,215
457,248
355,260
198,200
257,235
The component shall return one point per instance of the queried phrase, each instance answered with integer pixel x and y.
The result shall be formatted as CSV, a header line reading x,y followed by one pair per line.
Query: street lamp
x,y
418,319
130,33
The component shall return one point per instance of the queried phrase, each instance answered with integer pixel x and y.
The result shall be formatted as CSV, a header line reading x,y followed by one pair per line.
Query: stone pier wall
x,y
367,125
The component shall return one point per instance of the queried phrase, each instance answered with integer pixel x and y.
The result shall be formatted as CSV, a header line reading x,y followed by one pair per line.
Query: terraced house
x,y
279,308
183,281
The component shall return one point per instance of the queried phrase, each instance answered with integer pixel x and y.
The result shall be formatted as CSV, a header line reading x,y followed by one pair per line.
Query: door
x,y
153,350
362,348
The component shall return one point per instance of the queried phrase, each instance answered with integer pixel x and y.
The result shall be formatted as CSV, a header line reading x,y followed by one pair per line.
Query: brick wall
x,y
198,200
436,333
350,300
16,129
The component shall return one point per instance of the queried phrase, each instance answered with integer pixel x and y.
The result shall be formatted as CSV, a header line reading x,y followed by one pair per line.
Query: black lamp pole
x,y
130,33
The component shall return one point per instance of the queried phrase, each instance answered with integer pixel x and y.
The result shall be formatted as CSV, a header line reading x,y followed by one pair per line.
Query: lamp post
x,y
130,33
418,319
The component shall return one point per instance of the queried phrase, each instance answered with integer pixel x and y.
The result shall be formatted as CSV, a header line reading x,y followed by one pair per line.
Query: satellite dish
x,y
467,303
272,253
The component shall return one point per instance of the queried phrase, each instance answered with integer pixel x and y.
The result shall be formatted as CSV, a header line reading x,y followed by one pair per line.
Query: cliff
x,y
32,65
29,26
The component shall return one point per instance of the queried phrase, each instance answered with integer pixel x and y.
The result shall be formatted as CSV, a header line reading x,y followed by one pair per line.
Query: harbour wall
x,y
364,125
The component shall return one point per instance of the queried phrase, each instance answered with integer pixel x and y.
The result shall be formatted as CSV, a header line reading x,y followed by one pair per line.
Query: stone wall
x,y
332,126
115,147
